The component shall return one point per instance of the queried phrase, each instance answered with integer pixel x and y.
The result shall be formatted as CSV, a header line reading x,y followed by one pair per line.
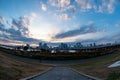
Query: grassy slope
x,y
12,69
98,67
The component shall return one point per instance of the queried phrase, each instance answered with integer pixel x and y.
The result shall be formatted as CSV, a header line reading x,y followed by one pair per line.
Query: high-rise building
x,y
63,46
40,44
78,45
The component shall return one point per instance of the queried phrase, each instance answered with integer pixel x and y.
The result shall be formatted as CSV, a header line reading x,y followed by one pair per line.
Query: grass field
x,y
15,69
12,69
98,68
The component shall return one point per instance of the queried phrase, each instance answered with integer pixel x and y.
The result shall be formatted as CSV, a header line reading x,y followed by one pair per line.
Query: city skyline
x,y
34,21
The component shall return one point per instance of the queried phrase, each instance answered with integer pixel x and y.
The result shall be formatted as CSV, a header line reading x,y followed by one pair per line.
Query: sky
x,y
34,21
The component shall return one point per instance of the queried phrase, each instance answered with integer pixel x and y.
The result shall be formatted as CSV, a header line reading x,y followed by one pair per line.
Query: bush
x,y
114,76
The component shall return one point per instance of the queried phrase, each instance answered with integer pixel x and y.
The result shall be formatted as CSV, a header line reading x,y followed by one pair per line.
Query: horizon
x,y
56,21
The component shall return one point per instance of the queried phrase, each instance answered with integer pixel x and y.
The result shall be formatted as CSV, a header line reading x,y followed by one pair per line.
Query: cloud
x,y
87,37
88,34
64,17
102,6
71,7
107,6
21,25
85,4
59,3
97,37
18,31
117,24
2,23
63,9
2,19
44,7
30,18
64,3
89,28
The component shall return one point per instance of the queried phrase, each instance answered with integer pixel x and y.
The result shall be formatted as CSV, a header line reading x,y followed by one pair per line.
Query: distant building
x,y
63,46
40,44
91,45
78,45
94,44
43,46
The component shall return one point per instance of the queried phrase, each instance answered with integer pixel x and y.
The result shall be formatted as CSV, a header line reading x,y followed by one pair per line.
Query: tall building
x,y
94,44
40,45
78,45
43,46
63,46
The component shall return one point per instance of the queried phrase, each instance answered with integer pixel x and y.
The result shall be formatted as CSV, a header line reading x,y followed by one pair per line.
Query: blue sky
x,y
33,21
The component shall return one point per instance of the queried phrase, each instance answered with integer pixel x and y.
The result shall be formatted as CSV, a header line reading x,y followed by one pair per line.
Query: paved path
x,y
61,73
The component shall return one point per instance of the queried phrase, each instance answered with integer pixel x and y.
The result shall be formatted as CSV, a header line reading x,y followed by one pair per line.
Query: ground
x,y
98,67
13,69
61,73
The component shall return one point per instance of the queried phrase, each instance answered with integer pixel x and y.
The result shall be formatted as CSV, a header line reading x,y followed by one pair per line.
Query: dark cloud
x,y
89,28
105,38
18,31
22,25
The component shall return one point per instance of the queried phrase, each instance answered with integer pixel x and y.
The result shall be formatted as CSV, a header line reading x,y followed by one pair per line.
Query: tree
x,y
18,47
26,47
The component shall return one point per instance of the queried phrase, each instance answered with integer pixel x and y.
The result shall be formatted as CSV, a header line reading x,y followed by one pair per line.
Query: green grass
x,y
102,61
98,67
114,76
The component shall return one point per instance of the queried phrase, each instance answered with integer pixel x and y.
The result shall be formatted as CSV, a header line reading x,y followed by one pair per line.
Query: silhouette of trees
x,y
25,48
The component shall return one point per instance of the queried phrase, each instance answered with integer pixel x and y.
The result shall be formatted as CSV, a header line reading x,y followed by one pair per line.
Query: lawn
x,y
12,69
98,68
15,69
